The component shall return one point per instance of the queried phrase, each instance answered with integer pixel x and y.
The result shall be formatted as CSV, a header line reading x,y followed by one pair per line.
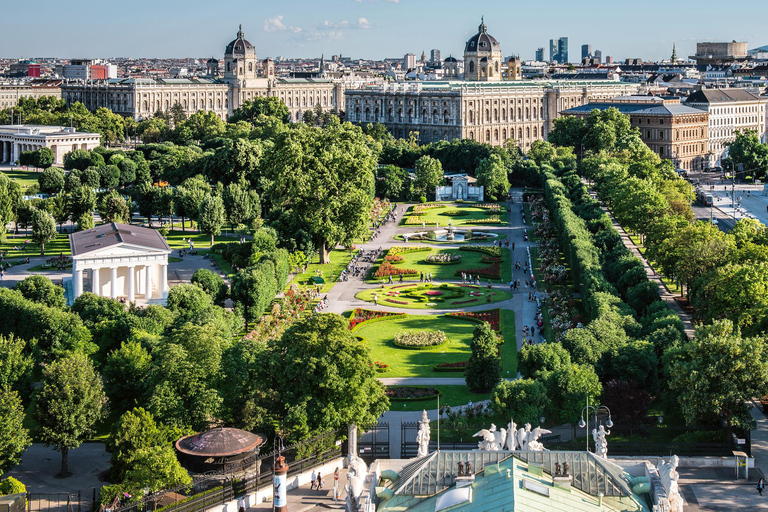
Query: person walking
x,y
760,486
319,481
375,299
313,481
241,505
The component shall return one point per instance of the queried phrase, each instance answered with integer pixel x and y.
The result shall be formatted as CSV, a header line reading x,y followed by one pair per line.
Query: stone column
x,y
78,283
2,147
148,289
164,280
131,283
113,282
95,284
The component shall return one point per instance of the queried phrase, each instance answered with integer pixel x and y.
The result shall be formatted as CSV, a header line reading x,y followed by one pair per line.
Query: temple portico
x,y
120,261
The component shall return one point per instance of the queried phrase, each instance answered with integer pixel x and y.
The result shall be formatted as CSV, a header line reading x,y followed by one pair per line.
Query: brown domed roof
x,y
240,46
482,41
219,442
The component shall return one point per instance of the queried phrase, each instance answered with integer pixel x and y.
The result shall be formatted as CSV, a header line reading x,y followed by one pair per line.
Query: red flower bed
x,y
361,315
492,271
394,258
493,317
460,364
406,392
395,301
387,269
380,367
434,293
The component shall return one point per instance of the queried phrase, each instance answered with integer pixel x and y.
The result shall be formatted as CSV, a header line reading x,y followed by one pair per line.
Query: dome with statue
x,y
482,41
482,57
240,46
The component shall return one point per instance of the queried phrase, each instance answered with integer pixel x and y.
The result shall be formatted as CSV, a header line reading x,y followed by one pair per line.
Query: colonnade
x,y
124,281
10,151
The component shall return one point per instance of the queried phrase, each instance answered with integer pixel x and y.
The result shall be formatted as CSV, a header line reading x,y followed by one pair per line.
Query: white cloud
x,y
363,23
393,1
360,23
323,35
276,25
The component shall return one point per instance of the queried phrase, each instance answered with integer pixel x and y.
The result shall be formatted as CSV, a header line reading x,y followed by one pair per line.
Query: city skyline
x,y
367,29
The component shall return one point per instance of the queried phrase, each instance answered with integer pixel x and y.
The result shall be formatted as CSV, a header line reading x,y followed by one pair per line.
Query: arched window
x,y
435,117
229,67
471,117
519,134
535,132
504,134
527,132
495,135
527,113
367,114
487,116
357,113
446,117
424,117
496,115
250,66
487,135
471,66
519,113
471,135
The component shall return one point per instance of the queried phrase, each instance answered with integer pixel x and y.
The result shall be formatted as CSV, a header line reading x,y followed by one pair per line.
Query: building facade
x,y
670,129
15,139
10,94
730,111
244,78
484,107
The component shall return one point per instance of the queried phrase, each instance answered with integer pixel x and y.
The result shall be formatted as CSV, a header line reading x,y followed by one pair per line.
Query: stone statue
x,y
534,444
490,440
522,437
355,480
422,438
511,442
668,475
601,443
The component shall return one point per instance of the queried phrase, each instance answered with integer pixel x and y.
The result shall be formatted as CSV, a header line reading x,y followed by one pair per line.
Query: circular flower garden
x,y
433,296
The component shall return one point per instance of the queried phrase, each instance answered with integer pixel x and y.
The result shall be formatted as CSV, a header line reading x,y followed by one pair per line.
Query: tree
x,y
82,159
747,150
716,374
10,197
126,375
392,183
114,208
188,300
40,289
567,131
252,110
51,181
156,468
253,289
15,364
323,377
14,438
483,369
43,158
71,401
238,204
58,206
200,126
82,202
429,174
523,400
568,388
210,217
212,284
538,361
492,175
43,229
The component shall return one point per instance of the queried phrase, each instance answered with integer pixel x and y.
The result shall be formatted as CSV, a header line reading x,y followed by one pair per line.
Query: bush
x,y
11,486
411,393
422,199
212,284
420,339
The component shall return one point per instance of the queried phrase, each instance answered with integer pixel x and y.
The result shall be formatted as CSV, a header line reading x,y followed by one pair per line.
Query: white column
x,y
164,280
2,147
148,289
113,282
95,284
78,283
131,284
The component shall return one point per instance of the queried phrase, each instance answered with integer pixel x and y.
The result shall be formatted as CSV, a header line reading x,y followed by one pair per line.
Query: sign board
x,y
741,441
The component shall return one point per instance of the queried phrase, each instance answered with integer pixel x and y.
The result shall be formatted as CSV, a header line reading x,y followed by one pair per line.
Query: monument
x,y
423,436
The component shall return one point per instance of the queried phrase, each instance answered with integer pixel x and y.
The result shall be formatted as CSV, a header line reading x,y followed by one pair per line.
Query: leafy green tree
x,y
188,300
568,388
40,289
51,181
523,400
126,375
538,361
392,183
210,217
58,206
200,126
82,159
716,374
189,196
323,378
109,176
10,197
567,131
82,202
70,403
15,363
11,486
14,438
43,229
748,151
252,110
127,171
542,152
212,284
114,208
91,178
429,174
157,468
43,158
492,175
253,289
238,204
483,369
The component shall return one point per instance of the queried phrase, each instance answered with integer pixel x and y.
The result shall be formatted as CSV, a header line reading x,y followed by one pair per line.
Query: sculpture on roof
x,y
668,475
422,438
511,441
601,443
492,440
524,439
534,444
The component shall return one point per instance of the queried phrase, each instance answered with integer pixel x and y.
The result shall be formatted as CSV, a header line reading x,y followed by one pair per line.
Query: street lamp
x,y
276,452
594,409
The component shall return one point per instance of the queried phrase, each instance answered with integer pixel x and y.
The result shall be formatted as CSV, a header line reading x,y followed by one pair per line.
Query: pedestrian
x,y
430,277
760,486
314,480
319,481
2,274
375,299
513,246
390,278
241,505
401,278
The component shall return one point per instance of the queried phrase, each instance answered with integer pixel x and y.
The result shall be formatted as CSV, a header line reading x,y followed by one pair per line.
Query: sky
x,y
371,29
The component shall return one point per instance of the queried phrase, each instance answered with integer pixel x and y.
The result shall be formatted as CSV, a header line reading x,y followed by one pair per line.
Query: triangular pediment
x,y
119,250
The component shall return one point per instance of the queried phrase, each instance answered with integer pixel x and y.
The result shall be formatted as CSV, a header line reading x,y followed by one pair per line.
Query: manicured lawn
x,y
60,245
457,215
329,272
26,178
509,348
447,271
418,363
414,295
536,262
450,396
178,239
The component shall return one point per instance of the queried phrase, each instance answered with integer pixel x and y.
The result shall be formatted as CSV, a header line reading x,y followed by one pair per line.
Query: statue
x,y
522,437
422,438
601,444
511,442
668,475
534,444
492,440
355,480
558,469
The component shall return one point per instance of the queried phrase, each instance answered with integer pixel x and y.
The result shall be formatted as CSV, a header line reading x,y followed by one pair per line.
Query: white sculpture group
x,y
668,475
601,443
511,438
423,436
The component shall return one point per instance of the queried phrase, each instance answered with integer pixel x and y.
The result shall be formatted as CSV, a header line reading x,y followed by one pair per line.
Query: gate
x,y
85,500
409,448
374,443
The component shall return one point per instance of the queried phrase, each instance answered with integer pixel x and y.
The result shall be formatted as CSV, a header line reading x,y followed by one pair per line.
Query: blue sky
x,y
370,28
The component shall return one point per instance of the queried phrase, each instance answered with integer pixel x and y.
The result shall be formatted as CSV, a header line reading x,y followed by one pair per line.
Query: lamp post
x,y
594,409
278,480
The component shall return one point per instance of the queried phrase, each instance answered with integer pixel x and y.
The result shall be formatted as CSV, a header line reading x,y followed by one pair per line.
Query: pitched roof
x,y
635,108
113,233
721,96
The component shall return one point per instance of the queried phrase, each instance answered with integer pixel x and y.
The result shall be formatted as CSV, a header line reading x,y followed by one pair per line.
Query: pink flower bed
x,y
434,293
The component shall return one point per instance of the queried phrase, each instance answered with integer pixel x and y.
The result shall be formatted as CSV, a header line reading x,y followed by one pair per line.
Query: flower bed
x,y
387,269
380,367
360,315
427,206
450,367
394,258
487,249
444,258
455,213
420,339
493,219
490,259
492,271
434,293
464,301
490,207
493,317
401,249
411,393
413,220
395,301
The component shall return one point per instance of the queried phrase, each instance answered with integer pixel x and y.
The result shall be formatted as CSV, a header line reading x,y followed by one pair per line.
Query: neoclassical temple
x,y
120,261
15,139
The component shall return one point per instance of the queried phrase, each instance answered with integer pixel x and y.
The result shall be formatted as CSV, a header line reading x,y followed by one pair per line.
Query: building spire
x,y
482,28
674,53
240,32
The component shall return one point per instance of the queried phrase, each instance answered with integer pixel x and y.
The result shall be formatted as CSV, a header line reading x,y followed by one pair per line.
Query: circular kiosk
x,y
219,449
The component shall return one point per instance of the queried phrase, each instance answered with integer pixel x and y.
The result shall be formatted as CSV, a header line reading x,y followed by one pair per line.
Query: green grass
x,y
178,239
450,396
442,216
671,285
403,362
329,271
39,268
536,262
414,296
469,260
25,178
60,245
509,348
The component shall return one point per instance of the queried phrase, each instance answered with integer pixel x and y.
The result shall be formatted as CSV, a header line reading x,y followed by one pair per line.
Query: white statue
x,y
601,443
422,438
668,475
534,444
356,478
511,442
522,437
488,443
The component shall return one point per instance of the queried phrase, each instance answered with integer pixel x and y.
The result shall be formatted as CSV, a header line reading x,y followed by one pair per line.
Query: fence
x,y
85,500
374,442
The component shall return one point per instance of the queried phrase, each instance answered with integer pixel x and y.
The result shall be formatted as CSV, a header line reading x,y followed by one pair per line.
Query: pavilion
x,y
120,261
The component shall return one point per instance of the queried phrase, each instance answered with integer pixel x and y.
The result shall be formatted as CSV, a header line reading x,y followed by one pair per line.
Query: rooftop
x,y
111,234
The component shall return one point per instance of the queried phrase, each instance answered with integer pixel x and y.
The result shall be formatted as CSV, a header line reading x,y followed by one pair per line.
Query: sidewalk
x,y
303,499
